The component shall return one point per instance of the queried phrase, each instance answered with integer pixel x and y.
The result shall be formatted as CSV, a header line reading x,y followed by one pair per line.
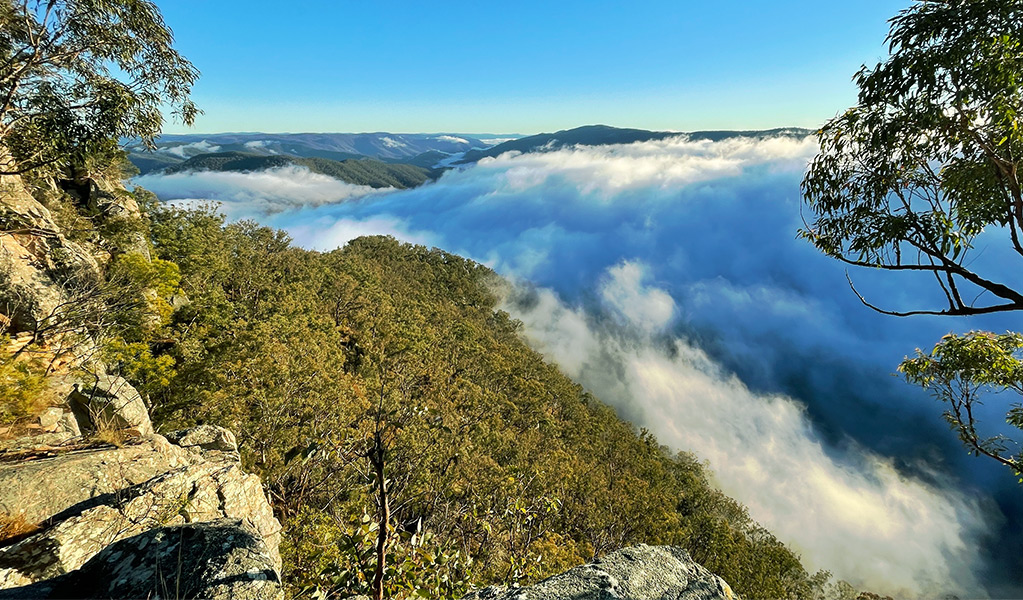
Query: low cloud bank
x,y
852,513
254,194
671,284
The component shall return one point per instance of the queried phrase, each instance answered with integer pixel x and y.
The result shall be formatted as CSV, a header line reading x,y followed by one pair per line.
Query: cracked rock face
x,y
222,559
636,573
31,251
88,499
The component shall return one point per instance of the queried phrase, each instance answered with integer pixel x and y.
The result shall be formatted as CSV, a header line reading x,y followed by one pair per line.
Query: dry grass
x,y
14,527
110,435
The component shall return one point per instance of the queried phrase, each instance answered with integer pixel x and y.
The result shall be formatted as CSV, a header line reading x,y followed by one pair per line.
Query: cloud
x,y
854,514
252,194
330,234
452,139
647,308
189,150
673,286
263,145
393,143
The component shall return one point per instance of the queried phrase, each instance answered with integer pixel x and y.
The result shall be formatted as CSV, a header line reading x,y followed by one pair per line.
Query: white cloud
x,y
853,514
255,193
693,244
189,150
393,143
497,140
332,234
645,307
263,145
452,139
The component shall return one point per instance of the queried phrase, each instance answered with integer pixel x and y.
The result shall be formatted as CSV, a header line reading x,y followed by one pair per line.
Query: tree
x,y
960,370
927,160
76,75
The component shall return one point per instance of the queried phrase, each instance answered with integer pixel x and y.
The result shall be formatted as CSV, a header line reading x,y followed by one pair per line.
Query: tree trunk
x,y
377,458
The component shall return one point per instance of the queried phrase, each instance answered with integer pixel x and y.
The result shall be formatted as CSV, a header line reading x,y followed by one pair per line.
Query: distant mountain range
x,y
360,171
601,135
417,149
383,159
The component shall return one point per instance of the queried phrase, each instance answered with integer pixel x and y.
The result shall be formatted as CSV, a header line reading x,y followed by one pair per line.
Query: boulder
x,y
222,559
205,439
635,573
110,403
88,499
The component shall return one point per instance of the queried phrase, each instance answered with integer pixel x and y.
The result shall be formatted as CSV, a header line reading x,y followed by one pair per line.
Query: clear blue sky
x,y
525,66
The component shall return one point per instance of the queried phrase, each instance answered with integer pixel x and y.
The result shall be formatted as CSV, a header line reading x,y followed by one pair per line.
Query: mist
x,y
667,278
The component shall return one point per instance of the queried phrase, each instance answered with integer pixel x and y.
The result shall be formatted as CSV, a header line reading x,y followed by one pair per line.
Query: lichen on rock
x,y
636,573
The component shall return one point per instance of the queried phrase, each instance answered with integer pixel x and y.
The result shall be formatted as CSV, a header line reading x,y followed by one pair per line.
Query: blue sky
x,y
523,67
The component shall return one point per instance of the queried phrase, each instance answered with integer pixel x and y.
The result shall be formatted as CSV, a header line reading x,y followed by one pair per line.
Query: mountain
x,y
392,147
358,171
600,135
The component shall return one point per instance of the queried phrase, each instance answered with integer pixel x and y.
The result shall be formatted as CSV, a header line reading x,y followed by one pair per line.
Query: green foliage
x,y
503,459
927,161
22,383
959,371
928,158
135,362
332,559
151,283
77,75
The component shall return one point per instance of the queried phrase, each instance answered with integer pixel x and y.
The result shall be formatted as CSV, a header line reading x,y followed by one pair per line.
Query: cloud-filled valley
x,y
666,277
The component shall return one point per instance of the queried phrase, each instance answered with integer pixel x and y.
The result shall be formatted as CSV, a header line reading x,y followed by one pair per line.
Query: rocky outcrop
x,y
636,573
223,559
35,259
110,402
86,499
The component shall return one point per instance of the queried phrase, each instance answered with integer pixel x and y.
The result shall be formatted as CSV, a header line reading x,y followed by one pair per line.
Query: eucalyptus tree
x,y
76,75
927,160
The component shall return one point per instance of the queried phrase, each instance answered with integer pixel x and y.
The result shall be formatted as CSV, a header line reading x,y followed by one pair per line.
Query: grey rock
x,y
635,573
68,425
221,559
50,417
205,438
89,499
110,402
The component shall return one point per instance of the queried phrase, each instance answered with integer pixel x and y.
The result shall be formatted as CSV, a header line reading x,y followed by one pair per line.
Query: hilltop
x,y
603,135
358,171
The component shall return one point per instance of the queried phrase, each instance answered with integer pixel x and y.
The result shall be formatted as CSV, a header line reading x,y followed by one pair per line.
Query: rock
x,y
221,559
204,438
35,258
49,418
90,499
67,425
110,403
636,573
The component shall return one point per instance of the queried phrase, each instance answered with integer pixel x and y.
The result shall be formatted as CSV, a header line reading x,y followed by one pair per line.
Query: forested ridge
x,y
498,467
411,442
361,171
380,362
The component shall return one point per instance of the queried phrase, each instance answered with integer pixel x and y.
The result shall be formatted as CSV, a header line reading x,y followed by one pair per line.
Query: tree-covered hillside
x,y
383,357
373,173
601,135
